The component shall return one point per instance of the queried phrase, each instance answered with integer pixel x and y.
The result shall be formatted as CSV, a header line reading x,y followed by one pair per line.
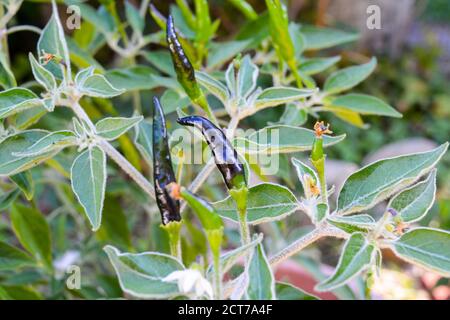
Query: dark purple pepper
x,y
225,155
163,174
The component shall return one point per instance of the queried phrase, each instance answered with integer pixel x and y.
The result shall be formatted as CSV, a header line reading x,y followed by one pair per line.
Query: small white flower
x,y
191,282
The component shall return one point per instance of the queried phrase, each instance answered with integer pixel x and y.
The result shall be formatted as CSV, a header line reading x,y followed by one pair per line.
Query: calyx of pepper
x,y
225,155
163,175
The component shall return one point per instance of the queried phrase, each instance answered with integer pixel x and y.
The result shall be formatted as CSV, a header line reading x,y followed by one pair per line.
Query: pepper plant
x,y
197,235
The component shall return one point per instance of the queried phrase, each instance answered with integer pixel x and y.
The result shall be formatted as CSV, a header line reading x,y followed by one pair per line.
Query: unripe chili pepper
x,y
163,175
225,155
183,67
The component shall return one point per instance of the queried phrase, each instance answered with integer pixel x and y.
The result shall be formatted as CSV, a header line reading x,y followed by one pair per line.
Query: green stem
x,y
173,230
215,241
240,197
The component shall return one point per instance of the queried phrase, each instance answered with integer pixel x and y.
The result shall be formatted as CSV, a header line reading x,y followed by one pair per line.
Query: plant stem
x,y
115,155
215,241
243,227
173,230
306,240
23,28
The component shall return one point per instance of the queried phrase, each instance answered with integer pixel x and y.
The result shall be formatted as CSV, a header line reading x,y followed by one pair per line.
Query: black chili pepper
x,y
183,67
225,155
163,175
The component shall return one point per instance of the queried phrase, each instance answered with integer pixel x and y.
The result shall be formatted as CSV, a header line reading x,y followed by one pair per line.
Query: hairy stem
x,y
306,240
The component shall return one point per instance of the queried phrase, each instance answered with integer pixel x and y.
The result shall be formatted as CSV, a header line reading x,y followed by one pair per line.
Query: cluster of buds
x,y
398,226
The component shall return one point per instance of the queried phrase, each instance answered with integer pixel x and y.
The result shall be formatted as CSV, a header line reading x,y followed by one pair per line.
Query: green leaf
x,y
303,170
33,232
52,142
355,258
52,41
364,104
114,229
266,202
134,18
229,259
16,100
161,60
262,282
19,293
275,96
171,100
354,223
27,118
24,181
286,291
8,197
320,38
347,78
112,128
379,180
221,52
246,77
426,247
42,75
7,79
12,258
138,78
282,139
293,115
297,39
143,140
10,163
88,177
413,204
95,85
141,274
215,87
316,65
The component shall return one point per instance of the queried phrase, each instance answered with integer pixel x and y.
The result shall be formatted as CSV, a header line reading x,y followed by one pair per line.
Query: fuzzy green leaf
x,y
286,291
10,162
320,38
33,232
42,75
266,202
141,274
426,247
412,204
112,128
275,96
379,180
261,285
356,257
365,104
54,141
12,258
88,177
347,78
16,100
282,139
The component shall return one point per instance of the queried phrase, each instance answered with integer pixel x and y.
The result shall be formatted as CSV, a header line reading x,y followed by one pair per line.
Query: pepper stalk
x,y
318,157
